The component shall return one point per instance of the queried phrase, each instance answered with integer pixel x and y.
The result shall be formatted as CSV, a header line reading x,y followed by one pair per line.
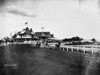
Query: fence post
x,y
92,50
63,48
72,48
77,49
67,48
84,48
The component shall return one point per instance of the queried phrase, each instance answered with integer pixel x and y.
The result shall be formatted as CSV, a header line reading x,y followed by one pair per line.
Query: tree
x,y
66,39
1,41
6,39
93,40
14,36
76,38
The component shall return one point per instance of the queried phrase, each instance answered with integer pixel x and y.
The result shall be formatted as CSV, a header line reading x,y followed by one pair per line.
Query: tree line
x,y
73,40
77,40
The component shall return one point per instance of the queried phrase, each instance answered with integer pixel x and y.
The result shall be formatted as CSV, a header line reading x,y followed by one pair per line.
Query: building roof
x,y
45,34
40,33
26,31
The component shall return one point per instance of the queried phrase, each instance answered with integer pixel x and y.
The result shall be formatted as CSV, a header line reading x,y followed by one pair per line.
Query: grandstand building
x,y
27,34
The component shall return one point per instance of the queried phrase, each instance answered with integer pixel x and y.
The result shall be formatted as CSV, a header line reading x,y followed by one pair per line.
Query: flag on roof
x,y
42,27
26,22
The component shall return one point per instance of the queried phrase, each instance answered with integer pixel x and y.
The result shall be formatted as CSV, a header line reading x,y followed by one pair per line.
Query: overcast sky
x,y
63,18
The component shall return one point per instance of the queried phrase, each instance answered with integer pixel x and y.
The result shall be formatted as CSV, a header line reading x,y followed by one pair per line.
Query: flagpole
x,y
42,33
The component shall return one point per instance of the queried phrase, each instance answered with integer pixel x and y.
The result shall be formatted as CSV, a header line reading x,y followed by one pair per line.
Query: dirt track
x,y
40,61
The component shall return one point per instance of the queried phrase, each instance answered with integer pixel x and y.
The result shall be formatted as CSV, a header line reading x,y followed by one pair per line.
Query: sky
x,y
63,18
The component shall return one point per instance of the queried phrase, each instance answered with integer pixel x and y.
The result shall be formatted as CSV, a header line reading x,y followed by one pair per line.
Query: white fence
x,y
77,48
81,48
51,45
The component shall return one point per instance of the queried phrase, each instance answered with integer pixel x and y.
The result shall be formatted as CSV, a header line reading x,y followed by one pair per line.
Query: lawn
x,y
30,60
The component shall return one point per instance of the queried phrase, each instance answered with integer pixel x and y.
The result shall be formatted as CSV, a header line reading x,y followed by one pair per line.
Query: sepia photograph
x,y
49,37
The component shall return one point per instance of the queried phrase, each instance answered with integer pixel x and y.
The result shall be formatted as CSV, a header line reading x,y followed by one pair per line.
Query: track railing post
x,y
92,50
84,48
72,48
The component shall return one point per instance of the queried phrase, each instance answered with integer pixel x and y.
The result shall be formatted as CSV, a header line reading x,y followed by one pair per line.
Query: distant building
x,y
44,35
25,35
